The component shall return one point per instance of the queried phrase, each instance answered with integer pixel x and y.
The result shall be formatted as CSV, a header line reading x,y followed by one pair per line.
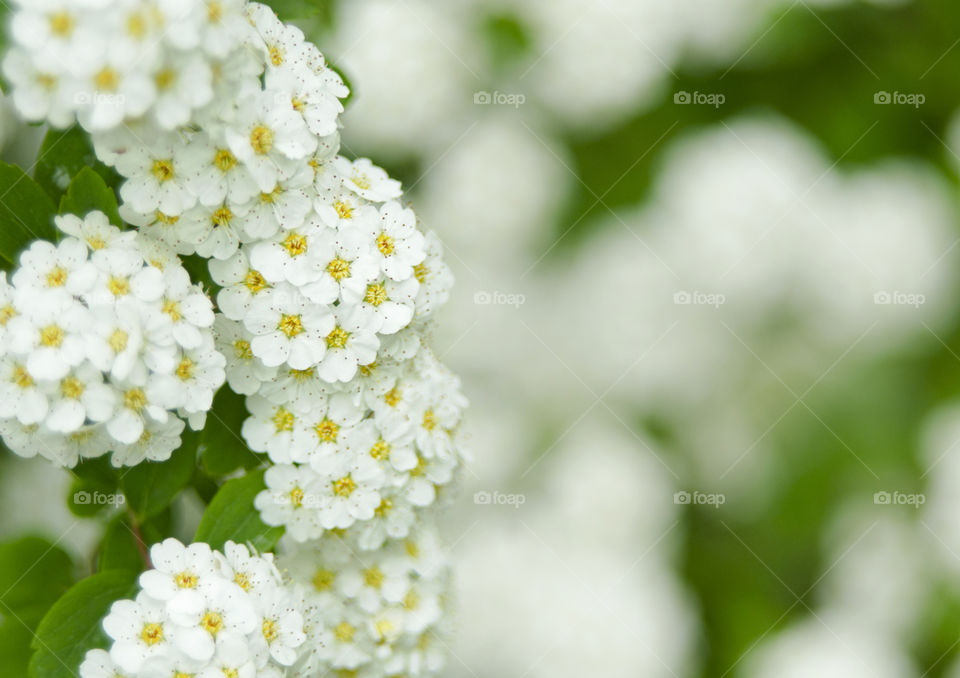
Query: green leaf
x,y
88,192
26,212
231,516
14,647
222,450
151,486
95,488
63,155
72,626
119,549
33,574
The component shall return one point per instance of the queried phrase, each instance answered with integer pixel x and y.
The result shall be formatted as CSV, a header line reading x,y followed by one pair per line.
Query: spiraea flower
x,y
98,339
202,612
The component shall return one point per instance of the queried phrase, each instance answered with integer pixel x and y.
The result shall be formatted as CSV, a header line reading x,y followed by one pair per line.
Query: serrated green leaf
x,y
63,155
151,486
26,212
222,450
33,574
231,516
72,626
88,192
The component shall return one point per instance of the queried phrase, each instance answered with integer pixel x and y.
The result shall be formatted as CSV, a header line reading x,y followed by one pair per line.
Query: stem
x,y
138,538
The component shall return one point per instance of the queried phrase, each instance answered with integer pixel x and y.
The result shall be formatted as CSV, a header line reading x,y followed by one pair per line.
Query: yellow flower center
x,y
380,450
290,325
344,211
344,487
135,399
269,628
71,387
242,580
323,580
185,369
57,277
373,577
384,508
392,397
411,601
303,375
429,420
61,24
21,377
172,309
339,269
385,244
295,244
136,26
241,349
118,340
106,80
221,217
118,286
276,56
254,281
224,160
152,633
96,243
344,632
185,580
261,139
212,622
165,78
164,219
296,497
6,313
52,336
327,431
361,181
337,338
376,294
162,170
283,420
214,11
420,272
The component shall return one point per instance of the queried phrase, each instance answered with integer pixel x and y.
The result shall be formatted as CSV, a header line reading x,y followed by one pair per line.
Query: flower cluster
x,y
106,345
368,455
202,613
380,613
111,61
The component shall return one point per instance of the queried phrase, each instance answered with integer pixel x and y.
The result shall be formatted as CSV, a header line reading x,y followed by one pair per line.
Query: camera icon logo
x,y
482,98
482,298
682,497
482,498
681,98
881,498
882,98
81,498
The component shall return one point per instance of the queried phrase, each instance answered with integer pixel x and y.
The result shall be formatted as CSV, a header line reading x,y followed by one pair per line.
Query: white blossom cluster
x,y
202,613
374,613
326,291
106,62
106,346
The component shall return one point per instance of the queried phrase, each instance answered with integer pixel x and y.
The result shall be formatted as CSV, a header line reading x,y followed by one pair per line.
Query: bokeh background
x,y
706,313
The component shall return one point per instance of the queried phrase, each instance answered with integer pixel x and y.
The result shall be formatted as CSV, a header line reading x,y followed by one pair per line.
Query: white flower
x,y
434,276
197,376
348,490
269,138
350,343
300,390
140,631
367,180
285,207
156,178
221,608
399,245
156,442
245,373
79,396
55,269
346,266
39,93
178,569
134,407
214,231
293,255
187,309
339,207
389,305
290,500
97,664
232,658
240,284
314,90
319,431
287,328
111,93
20,395
184,83
50,330
269,428
214,174
95,230
281,630
284,44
